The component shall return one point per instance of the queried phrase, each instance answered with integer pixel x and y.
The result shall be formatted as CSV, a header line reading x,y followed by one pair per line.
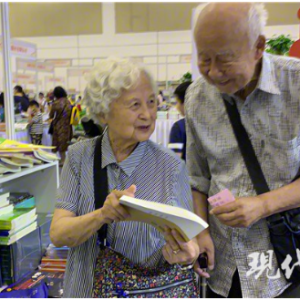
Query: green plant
x,y
186,77
279,45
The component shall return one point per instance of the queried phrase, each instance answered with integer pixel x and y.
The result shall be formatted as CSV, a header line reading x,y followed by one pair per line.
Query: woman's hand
x,y
177,250
112,210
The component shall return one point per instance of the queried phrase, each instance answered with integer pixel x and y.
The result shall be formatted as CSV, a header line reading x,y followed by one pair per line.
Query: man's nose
x,y
214,71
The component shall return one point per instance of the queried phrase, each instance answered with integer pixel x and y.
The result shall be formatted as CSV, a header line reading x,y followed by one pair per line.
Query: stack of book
x,y
5,206
16,224
15,155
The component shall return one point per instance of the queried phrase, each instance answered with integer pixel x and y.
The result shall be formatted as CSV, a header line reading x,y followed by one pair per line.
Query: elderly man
x,y
266,89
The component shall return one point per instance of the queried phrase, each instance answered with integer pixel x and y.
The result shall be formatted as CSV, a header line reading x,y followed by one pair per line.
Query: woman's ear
x,y
102,118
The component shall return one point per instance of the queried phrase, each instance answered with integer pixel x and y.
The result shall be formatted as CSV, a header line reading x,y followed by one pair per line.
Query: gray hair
x,y
257,19
107,80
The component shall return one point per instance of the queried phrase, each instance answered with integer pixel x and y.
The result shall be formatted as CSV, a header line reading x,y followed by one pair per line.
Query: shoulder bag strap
x,y
253,166
254,169
100,186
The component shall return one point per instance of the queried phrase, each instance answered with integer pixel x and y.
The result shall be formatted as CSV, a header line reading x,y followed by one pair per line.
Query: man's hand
x,y
206,245
243,212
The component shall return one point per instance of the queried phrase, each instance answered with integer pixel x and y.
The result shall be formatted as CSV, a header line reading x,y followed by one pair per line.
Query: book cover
x,y
8,240
6,209
16,162
4,197
159,215
19,227
15,218
8,168
6,144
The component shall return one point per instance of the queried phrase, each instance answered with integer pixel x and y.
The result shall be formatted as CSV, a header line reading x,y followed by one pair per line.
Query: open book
x,y
159,215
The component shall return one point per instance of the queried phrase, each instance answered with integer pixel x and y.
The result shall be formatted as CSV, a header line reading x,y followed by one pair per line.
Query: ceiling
x,y
61,19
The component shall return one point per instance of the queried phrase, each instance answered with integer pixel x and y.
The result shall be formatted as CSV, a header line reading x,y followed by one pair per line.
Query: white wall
x,y
160,51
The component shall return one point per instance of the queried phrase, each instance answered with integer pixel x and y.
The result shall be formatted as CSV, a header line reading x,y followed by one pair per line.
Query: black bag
x,y
284,227
50,131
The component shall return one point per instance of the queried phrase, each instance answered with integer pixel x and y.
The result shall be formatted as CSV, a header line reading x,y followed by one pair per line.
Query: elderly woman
x,y
121,95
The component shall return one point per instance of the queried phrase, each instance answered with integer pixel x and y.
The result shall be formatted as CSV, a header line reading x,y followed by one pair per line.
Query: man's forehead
x,y
218,52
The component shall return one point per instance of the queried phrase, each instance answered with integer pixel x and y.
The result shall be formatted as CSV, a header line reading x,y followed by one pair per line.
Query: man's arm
x,y
284,198
246,211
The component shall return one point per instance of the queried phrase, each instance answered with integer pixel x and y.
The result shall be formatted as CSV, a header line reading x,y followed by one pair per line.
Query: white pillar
x,y
108,18
8,88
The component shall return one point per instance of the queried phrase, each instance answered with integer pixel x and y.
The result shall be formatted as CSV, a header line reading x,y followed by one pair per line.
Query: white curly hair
x,y
107,80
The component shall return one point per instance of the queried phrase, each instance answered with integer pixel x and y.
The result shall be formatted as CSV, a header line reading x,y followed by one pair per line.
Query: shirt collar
x,y
268,80
129,164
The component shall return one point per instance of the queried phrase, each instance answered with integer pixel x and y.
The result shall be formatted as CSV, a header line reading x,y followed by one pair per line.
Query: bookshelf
x,y
42,181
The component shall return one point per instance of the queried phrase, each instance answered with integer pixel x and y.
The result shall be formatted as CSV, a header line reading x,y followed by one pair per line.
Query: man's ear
x,y
260,47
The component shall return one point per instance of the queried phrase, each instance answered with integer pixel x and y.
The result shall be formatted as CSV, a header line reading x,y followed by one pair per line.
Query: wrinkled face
x,y
132,116
226,60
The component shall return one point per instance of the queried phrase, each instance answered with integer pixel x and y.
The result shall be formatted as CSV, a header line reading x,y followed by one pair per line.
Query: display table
x,y
22,135
162,131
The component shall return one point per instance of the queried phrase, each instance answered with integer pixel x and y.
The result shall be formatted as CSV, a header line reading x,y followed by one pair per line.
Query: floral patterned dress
x,y
62,130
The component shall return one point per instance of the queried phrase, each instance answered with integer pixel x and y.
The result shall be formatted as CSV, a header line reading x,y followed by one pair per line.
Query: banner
x,y
77,72
59,63
44,67
30,65
55,79
20,48
24,78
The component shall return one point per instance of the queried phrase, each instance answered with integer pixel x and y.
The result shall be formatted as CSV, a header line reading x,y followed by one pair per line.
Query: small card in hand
x,y
221,198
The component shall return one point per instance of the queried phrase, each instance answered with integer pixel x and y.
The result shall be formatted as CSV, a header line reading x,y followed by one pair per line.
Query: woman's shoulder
x,y
160,152
81,149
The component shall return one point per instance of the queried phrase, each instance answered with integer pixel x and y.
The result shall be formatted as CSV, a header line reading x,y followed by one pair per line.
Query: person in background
x,y
35,121
122,95
160,98
42,102
20,99
265,88
60,115
177,141
2,114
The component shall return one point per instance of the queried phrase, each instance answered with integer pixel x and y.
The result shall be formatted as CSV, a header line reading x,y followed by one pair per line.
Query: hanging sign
x,y
21,48
59,63
77,72
24,78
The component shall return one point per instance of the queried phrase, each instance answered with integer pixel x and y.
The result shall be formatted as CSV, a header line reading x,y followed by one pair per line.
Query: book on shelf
x,y
8,240
6,209
20,158
16,218
3,199
21,226
16,162
8,168
45,156
157,214
7,145
22,200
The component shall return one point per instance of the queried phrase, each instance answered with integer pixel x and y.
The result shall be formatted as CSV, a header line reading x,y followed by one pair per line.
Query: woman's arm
x,y
70,230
